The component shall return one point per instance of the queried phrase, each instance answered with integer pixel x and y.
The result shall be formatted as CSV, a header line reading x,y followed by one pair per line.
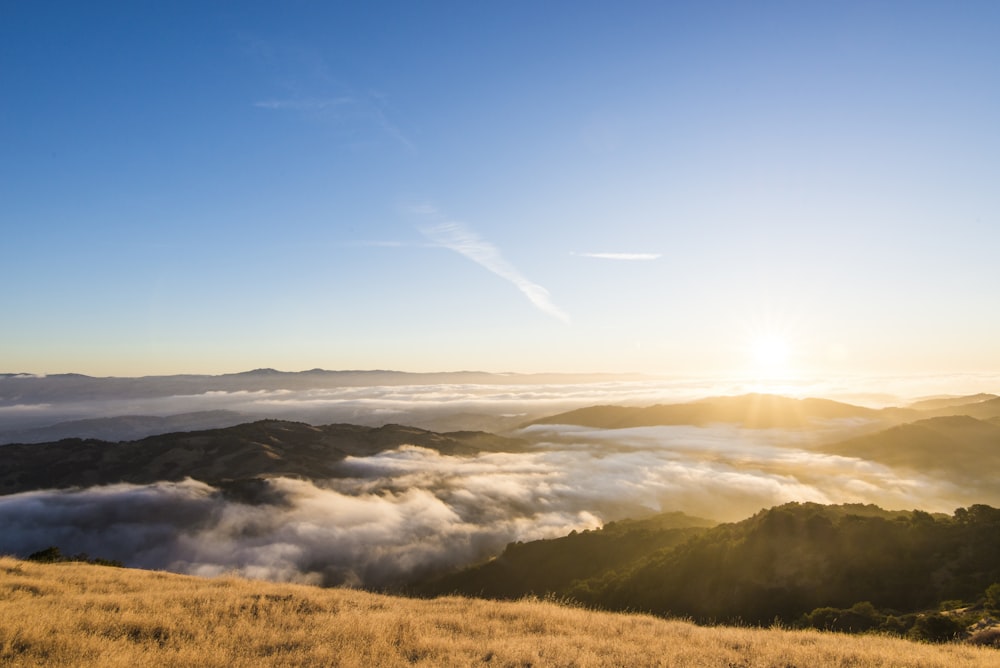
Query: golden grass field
x,y
77,614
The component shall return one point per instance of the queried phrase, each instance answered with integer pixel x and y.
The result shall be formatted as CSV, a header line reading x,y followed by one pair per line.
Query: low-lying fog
x,y
411,512
31,415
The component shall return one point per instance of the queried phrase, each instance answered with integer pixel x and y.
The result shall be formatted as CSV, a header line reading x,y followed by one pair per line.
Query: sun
x,y
770,355
771,351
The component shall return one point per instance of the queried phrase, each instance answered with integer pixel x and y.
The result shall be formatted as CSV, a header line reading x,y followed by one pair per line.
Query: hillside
x,y
82,615
959,446
938,403
546,567
787,561
780,564
257,449
754,411
981,409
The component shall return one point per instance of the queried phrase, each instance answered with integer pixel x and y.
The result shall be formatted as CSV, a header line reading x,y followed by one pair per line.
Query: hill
x,y
75,614
782,563
959,446
547,567
937,403
258,449
983,410
755,411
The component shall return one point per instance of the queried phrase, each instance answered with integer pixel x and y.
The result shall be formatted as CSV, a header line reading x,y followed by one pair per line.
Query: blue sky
x,y
212,187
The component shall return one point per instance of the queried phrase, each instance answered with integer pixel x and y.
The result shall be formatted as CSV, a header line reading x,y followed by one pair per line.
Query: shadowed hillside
x,y
960,446
264,448
545,567
74,614
983,410
780,564
938,403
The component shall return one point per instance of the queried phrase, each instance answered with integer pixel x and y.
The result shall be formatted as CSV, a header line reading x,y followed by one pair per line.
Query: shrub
x,y
936,627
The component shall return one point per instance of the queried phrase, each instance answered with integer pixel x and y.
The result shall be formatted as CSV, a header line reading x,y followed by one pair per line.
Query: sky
x,y
770,188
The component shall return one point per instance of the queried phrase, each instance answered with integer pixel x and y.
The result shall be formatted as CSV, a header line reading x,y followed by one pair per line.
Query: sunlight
x,y
770,354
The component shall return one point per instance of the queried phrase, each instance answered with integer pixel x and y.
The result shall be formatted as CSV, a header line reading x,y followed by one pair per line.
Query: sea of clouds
x,y
412,512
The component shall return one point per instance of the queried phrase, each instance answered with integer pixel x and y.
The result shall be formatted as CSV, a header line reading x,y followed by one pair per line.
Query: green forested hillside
x,y
544,567
782,564
788,560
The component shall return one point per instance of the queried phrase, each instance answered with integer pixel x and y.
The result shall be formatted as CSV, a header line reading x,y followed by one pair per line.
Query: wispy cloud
x,y
455,236
379,106
631,257
304,104
368,108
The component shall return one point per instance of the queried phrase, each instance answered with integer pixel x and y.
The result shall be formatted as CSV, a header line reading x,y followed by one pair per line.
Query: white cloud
x,y
457,237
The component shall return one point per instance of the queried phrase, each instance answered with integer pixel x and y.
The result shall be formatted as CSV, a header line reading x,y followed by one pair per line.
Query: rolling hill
x,y
780,564
962,447
258,449
550,567
938,403
755,411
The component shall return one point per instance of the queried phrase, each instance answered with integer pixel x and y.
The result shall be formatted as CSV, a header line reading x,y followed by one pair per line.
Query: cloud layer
x,y
411,512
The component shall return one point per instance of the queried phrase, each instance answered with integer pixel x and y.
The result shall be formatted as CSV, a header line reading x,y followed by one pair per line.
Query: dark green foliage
x,y
935,627
53,555
551,567
848,568
858,618
790,560
993,597
47,556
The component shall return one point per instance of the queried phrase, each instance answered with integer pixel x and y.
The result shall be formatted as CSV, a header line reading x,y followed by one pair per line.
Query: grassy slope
x,y
77,614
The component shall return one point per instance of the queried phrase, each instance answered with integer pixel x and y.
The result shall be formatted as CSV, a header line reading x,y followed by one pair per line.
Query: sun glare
x,y
770,355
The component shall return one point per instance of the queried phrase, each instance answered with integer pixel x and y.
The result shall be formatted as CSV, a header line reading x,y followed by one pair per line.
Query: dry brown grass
x,y
77,614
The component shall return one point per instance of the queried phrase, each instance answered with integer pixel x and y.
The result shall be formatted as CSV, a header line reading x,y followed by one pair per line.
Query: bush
x,y
859,618
53,555
993,597
936,627
49,555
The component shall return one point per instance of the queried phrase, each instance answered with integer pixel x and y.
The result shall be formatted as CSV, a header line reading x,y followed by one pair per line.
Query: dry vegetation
x,y
78,614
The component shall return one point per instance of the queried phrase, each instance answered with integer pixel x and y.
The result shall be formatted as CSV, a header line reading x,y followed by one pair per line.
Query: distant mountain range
x,y
36,409
23,388
125,427
267,448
